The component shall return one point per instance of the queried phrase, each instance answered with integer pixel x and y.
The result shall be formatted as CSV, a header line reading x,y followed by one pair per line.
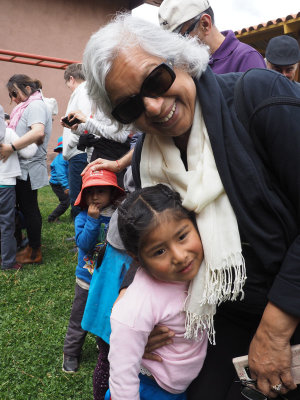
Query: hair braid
x,y
139,213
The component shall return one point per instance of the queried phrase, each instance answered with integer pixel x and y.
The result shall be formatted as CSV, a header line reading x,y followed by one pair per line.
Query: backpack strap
x,y
239,104
136,160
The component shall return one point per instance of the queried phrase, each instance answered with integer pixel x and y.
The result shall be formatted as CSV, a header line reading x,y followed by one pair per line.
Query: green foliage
x,y
35,305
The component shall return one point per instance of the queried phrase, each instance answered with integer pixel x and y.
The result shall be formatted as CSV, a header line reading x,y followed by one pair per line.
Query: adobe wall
x,y
56,28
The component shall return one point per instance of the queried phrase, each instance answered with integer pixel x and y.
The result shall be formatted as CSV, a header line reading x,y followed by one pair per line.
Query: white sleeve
x,y
103,128
73,140
127,347
28,151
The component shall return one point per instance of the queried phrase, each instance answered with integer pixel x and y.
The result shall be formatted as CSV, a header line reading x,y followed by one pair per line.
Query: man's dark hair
x,y
210,12
76,71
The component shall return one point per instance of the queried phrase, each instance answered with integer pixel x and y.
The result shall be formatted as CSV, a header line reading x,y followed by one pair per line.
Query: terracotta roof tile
x,y
268,23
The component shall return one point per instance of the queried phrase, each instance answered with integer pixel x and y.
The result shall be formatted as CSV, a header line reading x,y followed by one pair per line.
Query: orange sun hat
x,y
98,178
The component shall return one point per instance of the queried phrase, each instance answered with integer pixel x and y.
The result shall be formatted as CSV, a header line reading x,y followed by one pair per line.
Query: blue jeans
x,y
149,390
76,166
7,226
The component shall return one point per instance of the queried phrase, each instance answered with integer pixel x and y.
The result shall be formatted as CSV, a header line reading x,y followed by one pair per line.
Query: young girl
x,y
9,171
162,238
96,199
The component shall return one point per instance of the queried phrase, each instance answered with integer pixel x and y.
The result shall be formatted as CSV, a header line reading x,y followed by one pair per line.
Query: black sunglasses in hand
x,y
156,84
250,392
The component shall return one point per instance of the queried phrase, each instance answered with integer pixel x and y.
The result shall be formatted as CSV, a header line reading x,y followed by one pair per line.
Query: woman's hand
x,y
63,124
101,163
159,337
5,151
113,166
270,352
77,114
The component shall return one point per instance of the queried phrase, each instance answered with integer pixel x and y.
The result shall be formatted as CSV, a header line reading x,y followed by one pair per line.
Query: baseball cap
x,y
98,178
283,50
173,13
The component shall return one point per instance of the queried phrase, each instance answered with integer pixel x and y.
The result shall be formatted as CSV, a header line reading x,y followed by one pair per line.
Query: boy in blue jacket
x,y
59,182
97,200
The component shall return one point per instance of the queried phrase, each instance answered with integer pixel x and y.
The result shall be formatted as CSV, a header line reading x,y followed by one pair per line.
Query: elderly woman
x,y
241,179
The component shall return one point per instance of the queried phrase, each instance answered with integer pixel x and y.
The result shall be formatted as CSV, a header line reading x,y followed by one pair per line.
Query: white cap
x,y
173,13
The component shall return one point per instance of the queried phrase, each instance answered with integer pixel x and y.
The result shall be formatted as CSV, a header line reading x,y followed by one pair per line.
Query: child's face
x,y
100,196
173,250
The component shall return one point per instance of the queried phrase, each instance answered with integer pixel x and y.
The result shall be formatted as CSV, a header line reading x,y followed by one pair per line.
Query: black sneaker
x,y
14,267
73,250
70,239
70,364
56,220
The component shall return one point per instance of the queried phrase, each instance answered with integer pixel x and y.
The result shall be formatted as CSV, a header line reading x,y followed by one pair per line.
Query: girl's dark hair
x,y
139,213
21,81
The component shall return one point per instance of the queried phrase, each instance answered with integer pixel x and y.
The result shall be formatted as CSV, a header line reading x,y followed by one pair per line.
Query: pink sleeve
x,y
127,347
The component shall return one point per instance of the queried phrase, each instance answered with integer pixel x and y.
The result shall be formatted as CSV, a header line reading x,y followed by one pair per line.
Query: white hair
x,y
125,32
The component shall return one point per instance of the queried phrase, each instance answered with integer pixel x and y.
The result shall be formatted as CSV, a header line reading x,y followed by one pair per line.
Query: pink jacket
x,y
146,303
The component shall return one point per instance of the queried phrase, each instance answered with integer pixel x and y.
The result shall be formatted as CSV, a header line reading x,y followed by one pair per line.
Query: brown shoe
x,y
30,256
22,251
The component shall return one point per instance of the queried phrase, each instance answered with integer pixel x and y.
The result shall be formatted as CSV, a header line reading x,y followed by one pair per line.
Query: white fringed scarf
x,y
222,273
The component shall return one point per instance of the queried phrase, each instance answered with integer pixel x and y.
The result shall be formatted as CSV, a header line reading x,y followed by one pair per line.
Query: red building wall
x,y
54,28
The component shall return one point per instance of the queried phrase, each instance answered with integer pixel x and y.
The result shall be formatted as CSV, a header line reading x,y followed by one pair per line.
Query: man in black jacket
x,y
283,55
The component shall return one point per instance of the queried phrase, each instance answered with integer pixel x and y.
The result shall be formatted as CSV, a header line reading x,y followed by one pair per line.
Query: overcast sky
x,y
236,14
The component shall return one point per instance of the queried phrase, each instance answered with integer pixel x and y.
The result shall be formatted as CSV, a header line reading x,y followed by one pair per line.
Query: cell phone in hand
x,y
66,121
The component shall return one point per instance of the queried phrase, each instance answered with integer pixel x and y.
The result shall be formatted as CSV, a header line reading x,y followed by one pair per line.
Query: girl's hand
x,y
159,337
5,151
94,211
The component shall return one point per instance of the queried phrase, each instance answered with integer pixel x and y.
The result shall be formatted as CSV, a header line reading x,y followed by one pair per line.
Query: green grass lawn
x,y
35,305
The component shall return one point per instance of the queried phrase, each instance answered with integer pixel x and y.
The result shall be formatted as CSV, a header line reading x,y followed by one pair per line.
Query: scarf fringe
x,y
220,286
195,323
225,284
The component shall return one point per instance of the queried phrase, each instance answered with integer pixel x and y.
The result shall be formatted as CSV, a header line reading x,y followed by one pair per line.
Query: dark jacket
x,y
259,165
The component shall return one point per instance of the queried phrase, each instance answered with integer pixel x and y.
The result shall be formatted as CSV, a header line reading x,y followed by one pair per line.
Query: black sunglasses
x,y
156,84
13,93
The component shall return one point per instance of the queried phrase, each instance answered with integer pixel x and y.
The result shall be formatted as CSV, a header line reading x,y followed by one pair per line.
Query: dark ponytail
x,y
22,81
